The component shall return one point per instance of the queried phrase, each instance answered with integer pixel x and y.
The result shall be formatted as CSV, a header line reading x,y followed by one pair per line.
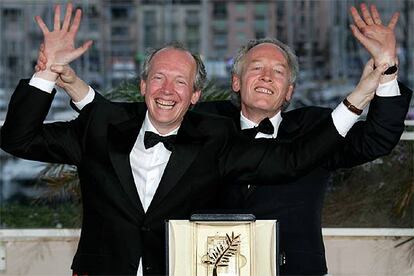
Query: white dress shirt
x,y
148,166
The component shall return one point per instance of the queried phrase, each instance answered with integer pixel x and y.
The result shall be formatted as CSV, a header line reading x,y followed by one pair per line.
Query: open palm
x,y
59,44
377,38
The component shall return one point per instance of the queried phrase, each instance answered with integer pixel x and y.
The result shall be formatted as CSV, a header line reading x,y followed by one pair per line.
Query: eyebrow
x,y
278,64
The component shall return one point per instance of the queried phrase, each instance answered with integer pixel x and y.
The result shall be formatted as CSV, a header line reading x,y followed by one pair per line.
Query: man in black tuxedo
x,y
140,164
298,205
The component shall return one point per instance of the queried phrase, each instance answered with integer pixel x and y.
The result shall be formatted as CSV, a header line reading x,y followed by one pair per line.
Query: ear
x,y
143,87
235,83
195,97
289,94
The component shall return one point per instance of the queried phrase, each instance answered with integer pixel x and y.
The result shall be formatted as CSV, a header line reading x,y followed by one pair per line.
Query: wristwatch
x,y
352,107
391,70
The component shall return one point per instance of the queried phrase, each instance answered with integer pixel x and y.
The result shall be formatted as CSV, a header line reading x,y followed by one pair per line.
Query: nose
x,y
168,87
266,76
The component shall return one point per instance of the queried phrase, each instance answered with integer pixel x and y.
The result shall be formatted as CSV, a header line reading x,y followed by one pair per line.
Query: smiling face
x,y
168,89
264,83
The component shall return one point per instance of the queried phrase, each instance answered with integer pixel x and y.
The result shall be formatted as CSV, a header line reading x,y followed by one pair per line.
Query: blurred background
x,y
368,214
378,194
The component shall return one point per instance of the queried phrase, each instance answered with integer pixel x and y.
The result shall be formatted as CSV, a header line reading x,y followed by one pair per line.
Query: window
x,y
241,23
12,15
120,30
219,9
241,8
120,13
192,18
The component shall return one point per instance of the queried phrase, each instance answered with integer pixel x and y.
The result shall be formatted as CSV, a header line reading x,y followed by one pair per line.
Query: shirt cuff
x,y
88,99
388,89
343,119
42,84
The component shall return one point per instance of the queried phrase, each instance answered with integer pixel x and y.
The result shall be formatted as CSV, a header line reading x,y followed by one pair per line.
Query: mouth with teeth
x,y
263,90
164,104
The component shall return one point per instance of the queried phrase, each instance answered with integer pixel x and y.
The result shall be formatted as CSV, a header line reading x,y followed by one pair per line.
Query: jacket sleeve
x,y
26,136
377,135
96,99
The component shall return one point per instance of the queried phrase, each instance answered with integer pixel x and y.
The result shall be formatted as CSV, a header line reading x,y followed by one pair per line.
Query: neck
x,y
163,128
257,116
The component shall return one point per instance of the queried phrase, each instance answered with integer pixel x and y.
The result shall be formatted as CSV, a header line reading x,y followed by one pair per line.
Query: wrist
x,y
358,101
77,89
47,75
391,60
351,107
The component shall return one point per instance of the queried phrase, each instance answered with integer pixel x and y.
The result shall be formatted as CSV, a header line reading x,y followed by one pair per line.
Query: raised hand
x,y
59,44
67,79
76,88
377,38
41,59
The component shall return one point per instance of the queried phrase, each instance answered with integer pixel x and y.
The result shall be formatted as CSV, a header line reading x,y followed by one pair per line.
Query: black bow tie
x,y
265,126
151,139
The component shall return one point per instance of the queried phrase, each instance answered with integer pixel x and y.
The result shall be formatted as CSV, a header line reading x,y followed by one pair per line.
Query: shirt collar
x,y
148,126
275,120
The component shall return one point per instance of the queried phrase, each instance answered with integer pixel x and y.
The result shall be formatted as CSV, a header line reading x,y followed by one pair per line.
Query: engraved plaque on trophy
x,y
225,247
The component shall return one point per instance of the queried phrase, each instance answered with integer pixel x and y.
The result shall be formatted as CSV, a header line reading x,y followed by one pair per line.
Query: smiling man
x,y
168,87
266,79
263,76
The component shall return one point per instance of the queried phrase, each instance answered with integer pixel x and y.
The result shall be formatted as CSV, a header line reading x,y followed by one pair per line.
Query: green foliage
x,y
376,194
35,215
129,91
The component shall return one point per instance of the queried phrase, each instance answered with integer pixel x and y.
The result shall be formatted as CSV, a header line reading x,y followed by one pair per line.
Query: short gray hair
x,y
201,74
292,59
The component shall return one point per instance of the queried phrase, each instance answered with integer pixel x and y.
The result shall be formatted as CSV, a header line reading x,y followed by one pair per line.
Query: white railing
x,y
23,234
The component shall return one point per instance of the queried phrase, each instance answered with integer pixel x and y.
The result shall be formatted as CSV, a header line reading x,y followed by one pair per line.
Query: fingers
x,y
76,22
357,18
56,20
367,16
68,15
66,74
375,15
42,59
358,35
59,69
60,83
42,25
394,20
368,68
379,71
81,50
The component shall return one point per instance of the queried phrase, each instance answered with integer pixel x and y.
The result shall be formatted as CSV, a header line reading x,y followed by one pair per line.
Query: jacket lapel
x,y
121,139
288,129
188,144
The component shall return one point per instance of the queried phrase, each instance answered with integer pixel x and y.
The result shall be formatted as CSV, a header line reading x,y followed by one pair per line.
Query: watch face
x,y
391,70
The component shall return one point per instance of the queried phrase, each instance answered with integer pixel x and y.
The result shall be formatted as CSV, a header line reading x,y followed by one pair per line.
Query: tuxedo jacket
x,y
298,205
116,232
